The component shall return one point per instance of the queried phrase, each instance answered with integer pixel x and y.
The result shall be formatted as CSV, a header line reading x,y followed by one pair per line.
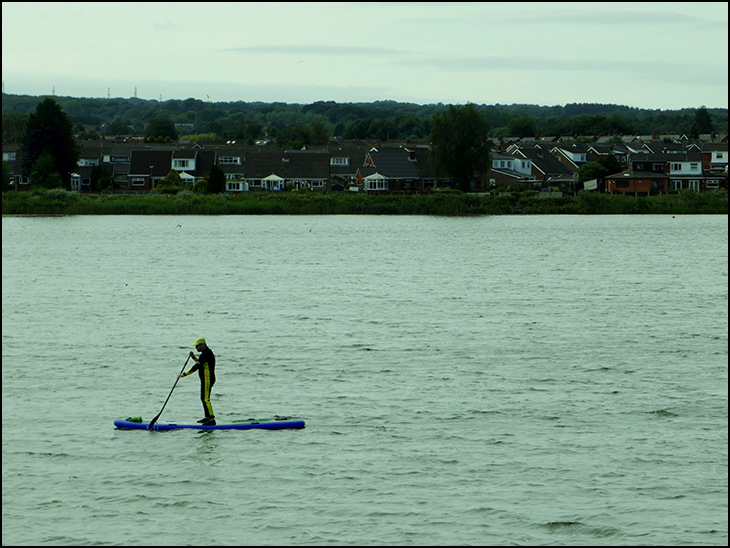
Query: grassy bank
x,y
60,202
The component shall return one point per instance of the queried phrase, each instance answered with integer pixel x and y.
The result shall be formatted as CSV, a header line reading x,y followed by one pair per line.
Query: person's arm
x,y
193,369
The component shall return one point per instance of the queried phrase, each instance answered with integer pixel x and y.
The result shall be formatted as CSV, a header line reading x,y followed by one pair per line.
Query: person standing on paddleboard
x,y
205,366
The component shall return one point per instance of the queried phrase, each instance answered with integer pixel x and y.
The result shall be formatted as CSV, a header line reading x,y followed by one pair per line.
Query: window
x,y
339,161
376,183
181,164
230,160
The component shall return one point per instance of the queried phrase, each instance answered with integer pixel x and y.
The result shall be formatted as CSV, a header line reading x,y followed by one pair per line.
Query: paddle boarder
x,y
205,366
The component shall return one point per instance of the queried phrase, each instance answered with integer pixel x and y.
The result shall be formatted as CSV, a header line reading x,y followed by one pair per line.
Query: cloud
x,y
667,71
303,49
612,17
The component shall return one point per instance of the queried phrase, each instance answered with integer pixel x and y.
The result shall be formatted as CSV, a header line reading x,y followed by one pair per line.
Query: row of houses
x,y
342,165
649,167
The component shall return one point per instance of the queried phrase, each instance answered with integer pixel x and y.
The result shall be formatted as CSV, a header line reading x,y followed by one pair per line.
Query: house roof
x,y
393,163
659,147
545,162
155,163
667,157
630,174
204,162
307,164
261,164
354,151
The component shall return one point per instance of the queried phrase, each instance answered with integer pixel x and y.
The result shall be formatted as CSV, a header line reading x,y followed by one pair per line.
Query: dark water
x,y
501,380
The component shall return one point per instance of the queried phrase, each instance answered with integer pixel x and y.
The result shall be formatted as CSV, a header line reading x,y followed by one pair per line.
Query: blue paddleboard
x,y
263,424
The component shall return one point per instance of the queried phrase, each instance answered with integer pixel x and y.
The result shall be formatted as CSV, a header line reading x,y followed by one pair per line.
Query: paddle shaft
x,y
153,421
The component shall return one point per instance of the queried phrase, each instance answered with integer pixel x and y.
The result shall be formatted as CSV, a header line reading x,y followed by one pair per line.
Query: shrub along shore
x,y
447,203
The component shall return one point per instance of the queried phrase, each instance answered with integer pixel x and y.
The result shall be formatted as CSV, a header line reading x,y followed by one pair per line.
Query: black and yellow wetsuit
x,y
205,366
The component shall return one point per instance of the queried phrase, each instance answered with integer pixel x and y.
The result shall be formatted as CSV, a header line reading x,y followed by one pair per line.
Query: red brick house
x,y
638,183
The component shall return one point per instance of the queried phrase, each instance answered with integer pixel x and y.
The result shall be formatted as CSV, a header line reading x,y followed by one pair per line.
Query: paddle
x,y
153,421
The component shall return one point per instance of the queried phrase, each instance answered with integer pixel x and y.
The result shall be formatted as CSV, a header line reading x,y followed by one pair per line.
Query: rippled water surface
x,y
496,380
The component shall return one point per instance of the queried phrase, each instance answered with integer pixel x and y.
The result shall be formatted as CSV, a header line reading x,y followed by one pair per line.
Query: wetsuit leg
x,y
206,386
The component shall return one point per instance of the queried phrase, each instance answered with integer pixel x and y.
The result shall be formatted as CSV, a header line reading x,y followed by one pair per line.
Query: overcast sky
x,y
649,55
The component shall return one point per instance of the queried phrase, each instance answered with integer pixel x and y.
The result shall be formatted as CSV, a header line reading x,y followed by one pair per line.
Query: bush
x,y
57,201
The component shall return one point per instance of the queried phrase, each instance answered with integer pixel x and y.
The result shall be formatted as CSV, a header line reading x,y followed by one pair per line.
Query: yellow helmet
x,y
199,340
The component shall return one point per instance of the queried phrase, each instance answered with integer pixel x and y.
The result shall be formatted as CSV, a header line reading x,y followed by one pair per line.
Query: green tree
x,y
591,170
611,163
118,128
703,121
101,178
294,137
50,131
694,131
319,134
460,146
216,180
521,127
160,126
171,184
45,173
13,127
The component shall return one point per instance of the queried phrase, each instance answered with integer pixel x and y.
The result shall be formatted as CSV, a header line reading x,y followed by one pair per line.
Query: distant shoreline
x,y
61,202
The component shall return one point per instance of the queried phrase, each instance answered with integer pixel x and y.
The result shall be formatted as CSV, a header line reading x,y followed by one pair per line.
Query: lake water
x,y
474,381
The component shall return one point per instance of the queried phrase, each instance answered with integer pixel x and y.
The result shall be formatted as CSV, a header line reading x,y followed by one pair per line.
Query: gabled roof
x,y
423,162
259,165
205,159
667,157
545,162
393,163
94,148
307,164
658,147
354,151
715,147
630,174
155,163
604,149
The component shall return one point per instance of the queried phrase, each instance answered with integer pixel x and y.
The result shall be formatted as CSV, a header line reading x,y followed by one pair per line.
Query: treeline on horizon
x,y
316,122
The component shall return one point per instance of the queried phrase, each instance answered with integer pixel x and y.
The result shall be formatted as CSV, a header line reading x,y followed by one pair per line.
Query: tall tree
x,y
13,127
522,126
160,126
216,180
49,132
460,144
703,120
